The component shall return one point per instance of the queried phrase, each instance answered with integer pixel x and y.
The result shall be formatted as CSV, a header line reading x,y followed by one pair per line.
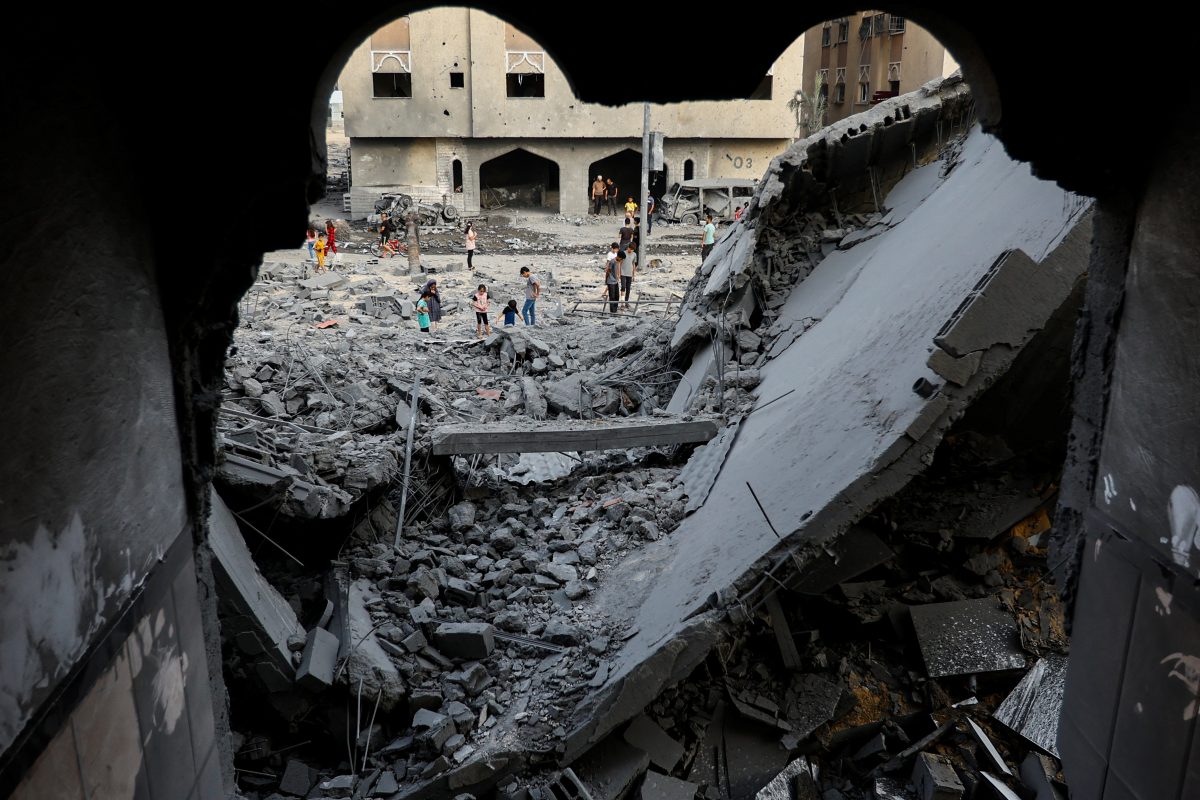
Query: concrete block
x,y
644,734
319,660
465,640
955,370
610,768
664,787
297,779
935,779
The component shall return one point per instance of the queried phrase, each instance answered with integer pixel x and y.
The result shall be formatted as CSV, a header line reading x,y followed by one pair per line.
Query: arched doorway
x,y
518,179
689,170
625,169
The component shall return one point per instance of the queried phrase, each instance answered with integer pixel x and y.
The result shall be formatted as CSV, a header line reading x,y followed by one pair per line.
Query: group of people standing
x,y
322,244
429,305
621,263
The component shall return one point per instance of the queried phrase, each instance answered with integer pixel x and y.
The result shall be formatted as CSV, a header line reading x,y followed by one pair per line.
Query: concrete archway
x,y
519,178
624,167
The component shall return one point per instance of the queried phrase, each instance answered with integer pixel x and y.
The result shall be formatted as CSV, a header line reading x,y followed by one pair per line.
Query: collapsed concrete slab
x,y
845,425
256,616
466,438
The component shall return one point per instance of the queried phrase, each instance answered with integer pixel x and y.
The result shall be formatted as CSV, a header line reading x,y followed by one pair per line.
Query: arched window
x,y
689,170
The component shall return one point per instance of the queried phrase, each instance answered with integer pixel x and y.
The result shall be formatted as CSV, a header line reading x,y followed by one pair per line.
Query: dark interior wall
x,y
121,288
1133,693
92,471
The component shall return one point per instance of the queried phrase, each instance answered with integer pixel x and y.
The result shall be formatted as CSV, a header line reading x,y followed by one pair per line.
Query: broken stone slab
x,y
955,370
468,438
319,660
1032,710
1037,773
462,515
242,585
326,280
656,786
849,556
610,769
534,401
797,781
815,703
465,640
999,787
935,779
989,749
297,779
645,734
386,785
966,637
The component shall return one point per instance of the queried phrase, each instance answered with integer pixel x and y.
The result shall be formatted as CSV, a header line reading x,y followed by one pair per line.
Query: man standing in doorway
x,y
708,239
611,194
532,290
598,190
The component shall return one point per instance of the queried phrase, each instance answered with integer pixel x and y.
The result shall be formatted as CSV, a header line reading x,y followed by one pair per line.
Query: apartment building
x,y
857,61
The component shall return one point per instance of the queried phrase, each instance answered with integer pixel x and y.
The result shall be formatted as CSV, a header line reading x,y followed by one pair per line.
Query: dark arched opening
x,y
456,176
689,170
519,179
625,171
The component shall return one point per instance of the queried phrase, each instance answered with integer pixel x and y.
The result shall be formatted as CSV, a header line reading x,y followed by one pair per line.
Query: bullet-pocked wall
x,y
456,65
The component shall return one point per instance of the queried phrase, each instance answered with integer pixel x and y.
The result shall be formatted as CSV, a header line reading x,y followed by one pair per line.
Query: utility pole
x,y
643,244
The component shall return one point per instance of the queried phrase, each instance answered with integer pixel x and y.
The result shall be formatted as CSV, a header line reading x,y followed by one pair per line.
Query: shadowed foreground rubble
x,y
847,583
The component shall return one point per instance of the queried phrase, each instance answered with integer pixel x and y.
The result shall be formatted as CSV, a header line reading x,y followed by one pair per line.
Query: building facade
x,y
454,105
856,61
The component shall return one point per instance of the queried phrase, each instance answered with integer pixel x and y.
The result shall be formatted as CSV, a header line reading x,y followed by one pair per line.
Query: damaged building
x,y
895,502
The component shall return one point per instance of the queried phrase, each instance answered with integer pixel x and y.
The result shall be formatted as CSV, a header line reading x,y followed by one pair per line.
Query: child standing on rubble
x,y
479,301
510,313
310,241
331,231
319,248
423,311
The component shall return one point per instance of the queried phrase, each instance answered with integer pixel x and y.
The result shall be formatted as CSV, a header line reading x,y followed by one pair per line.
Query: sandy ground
x,y
567,252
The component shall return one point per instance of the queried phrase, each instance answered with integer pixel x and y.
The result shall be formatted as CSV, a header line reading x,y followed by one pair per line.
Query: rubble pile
x,y
596,623
921,657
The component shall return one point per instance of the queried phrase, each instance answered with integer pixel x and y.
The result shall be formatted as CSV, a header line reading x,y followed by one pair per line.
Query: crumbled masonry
x,y
784,539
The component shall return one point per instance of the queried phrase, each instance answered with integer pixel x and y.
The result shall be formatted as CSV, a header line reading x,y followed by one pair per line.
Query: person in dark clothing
x,y
611,195
629,270
612,281
625,235
434,300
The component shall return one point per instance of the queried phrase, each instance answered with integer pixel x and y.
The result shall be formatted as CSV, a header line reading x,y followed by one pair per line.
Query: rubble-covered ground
x,y
918,654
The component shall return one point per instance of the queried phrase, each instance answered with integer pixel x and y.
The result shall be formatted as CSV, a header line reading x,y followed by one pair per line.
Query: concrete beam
x,y
567,437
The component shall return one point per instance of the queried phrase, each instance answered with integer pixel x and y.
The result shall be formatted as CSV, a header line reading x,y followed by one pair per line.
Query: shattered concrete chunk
x,y
611,768
657,786
466,640
935,779
644,734
319,660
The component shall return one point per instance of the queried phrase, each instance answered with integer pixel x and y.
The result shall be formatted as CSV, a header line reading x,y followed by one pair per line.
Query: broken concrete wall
x,y
848,428
94,481
1131,708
